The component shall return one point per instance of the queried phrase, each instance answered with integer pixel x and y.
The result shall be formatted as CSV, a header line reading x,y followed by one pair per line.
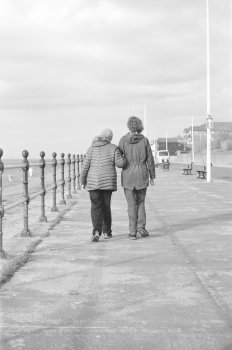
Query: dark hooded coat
x,y
99,171
140,162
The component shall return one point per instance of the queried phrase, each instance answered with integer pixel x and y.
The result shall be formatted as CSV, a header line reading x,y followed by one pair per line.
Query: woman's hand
x,y
152,182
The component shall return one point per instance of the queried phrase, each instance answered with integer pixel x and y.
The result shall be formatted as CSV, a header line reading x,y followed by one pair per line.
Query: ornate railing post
x,y
42,162
54,165
78,172
74,173
2,253
69,176
25,232
62,163
82,160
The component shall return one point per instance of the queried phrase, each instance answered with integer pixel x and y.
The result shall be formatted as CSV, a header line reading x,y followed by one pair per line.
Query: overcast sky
x,y
70,68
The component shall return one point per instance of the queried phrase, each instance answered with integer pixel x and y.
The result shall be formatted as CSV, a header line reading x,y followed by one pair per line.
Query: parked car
x,y
162,156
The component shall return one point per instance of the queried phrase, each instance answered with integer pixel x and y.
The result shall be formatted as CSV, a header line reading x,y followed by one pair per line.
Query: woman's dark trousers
x,y
101,211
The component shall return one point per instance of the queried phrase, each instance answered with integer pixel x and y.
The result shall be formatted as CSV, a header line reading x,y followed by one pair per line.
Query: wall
x,y
217,158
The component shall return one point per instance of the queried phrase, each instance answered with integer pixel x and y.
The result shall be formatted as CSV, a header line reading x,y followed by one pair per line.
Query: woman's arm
x,y
120,146
119,160
150,161
86,166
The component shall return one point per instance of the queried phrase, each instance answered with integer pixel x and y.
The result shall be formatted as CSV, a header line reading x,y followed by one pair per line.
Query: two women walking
x,y
99,176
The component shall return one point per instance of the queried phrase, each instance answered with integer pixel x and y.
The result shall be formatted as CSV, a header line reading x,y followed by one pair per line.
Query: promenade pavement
x,y
169,291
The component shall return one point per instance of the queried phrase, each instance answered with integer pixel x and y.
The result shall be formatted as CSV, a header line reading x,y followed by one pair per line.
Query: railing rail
x,y
12,166
74,168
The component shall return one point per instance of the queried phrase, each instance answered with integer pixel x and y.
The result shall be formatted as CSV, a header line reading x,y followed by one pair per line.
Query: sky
x,y
69,69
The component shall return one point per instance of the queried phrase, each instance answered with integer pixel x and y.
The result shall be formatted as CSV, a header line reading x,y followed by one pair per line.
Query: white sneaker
x,y
95,237
143,232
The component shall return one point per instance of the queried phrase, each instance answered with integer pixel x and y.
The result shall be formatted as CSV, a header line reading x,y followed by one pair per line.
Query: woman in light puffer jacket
x,y
99,176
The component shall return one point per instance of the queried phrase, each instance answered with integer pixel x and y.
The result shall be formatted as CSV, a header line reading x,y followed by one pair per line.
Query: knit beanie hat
x,y
106,134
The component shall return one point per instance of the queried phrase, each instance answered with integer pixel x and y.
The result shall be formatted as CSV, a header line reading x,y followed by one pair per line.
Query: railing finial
x,y
25,166
54,165
78,172
69,176
62,163
42,162
74,173
25,154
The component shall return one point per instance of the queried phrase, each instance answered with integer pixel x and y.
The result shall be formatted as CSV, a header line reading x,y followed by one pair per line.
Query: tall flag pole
x,y
192,142
166,140
209,117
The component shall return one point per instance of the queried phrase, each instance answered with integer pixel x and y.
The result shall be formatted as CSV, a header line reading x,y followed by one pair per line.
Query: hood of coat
x,y
133,138
99,141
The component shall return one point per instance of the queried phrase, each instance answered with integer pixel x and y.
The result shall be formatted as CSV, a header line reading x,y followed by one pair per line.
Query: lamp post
x,y
209,123
209,126
192,142
166,140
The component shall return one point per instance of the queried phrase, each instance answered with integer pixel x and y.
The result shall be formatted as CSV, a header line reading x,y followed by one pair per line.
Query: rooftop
x,y
217,126
169,139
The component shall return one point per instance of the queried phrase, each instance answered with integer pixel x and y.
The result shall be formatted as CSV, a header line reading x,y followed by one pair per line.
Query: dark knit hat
x,y
135,124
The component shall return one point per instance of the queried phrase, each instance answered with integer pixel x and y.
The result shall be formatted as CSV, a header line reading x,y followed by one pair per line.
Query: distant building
x,y
199,133
221,131
173,145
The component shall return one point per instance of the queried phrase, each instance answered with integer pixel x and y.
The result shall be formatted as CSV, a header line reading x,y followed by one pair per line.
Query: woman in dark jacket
x,y
135,175
100,178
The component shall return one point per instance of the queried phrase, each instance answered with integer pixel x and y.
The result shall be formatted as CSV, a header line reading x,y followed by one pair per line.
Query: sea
x,y
12,192
12,179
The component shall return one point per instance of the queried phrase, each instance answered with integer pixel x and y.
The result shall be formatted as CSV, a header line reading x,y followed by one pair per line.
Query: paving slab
x,y
171,290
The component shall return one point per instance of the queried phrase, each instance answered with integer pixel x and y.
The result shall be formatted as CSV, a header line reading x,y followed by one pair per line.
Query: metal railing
x,y
73,181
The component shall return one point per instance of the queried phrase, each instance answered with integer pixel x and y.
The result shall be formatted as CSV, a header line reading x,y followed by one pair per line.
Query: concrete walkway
x,y
171,290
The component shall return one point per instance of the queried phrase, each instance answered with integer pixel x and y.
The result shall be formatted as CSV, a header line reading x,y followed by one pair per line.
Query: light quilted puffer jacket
x,y
99,165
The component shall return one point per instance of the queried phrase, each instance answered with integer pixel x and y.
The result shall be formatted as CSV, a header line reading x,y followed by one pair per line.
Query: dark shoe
x,y
107,235
132,236
143,232
95,237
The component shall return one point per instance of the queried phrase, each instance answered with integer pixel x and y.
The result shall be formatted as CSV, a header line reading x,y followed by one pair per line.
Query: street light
x,y
209,127
192,142
209,123
166,140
